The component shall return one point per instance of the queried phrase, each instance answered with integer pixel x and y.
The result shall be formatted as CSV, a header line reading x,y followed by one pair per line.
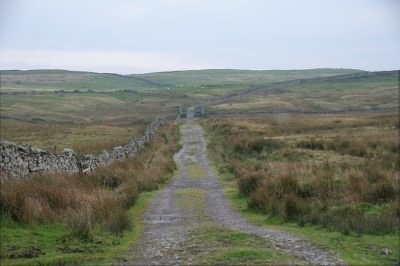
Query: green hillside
x,y
68,80
371,92
220,77
46,79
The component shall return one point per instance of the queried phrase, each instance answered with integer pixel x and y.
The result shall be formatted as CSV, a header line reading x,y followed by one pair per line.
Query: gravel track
x,y
168,222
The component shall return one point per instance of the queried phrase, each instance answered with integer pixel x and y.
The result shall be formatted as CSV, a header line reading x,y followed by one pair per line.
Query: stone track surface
x,y
169,218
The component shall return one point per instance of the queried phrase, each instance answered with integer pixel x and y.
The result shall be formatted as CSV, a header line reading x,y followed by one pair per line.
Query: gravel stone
x,y
167,224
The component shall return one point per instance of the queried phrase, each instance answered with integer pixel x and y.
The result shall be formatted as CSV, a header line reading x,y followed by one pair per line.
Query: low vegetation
x,y
365,93
331,178
216,245
57,109
16,80
81,138
225,78
87,123
340,172
87,205
68,80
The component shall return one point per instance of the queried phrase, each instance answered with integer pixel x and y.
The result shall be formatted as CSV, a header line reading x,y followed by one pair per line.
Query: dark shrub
x,y
381,192
117,221
267,145
312,144
286,184
260,199
247,184
291,207
305,189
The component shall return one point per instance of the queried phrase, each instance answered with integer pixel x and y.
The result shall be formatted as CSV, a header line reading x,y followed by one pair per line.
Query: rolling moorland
x,y
60,108
318,158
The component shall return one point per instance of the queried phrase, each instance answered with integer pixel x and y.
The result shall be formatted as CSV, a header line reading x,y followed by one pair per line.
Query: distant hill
x,y
55,79
69,80
220,77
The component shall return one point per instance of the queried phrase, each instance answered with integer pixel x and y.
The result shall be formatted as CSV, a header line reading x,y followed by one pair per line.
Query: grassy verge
x,y
325,192
53,244
354,249
52,219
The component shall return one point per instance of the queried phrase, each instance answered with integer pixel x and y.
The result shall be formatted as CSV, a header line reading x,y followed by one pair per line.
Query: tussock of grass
x,y
101,199
268,160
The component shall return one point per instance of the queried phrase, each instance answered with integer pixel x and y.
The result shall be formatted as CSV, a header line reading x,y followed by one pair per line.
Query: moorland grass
x,y
345,203
88,123
85,206
81,138
355,249
280,175
366,93
53,244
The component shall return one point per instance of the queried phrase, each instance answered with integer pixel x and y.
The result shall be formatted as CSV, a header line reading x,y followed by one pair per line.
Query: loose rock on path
x,y
193,198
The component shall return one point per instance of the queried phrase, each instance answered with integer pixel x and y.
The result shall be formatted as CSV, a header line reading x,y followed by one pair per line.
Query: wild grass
x,y
100,199
340,175
68,80
81,138
86,122
354,249
216,245
366,93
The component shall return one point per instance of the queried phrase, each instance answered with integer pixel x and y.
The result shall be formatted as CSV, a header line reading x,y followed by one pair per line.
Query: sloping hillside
x,y
364,91
220,77
69,80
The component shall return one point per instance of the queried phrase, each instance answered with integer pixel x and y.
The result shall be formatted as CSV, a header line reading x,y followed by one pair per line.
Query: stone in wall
x,y
23,160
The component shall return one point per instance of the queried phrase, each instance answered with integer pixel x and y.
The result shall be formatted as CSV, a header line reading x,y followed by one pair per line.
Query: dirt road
x,y
190,221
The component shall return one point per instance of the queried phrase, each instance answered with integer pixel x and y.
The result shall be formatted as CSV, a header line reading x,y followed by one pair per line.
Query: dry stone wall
x,y
23,160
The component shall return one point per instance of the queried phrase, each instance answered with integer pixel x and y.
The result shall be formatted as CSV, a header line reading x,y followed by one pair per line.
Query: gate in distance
x,y
185,112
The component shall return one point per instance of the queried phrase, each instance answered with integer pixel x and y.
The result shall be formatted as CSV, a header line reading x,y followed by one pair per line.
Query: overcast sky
x,y
136,36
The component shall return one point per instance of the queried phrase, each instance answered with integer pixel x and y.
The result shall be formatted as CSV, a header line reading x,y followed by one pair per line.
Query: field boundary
x,y
23,160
